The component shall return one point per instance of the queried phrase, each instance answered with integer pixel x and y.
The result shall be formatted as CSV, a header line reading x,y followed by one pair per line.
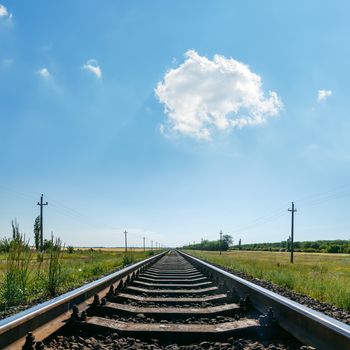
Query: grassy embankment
x,y
325,277
75,269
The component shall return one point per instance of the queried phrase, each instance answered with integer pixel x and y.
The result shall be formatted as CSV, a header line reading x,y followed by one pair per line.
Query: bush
x,y
47,245
310,250
70,249
334,249
127,259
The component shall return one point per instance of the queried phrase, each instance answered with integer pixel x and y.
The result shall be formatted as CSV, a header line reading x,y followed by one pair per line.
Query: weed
x,y
324,277
17,271
26,276
127,259
54,273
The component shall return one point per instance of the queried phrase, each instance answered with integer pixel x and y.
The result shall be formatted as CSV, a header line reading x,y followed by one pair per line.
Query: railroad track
x,y
173,301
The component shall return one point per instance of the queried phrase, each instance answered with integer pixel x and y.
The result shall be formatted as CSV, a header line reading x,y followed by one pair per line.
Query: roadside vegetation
x,y
28,275
329,246
324,277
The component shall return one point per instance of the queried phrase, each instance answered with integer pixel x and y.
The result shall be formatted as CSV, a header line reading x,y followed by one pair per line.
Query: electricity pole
x,y
126,241
220,241
41,204
144,247
292,234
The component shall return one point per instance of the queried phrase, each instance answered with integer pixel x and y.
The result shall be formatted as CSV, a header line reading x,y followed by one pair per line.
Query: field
x,y
113,249
325,277
72,270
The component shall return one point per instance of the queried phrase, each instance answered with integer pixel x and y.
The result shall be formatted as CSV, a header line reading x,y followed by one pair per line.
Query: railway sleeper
x,y
172,285
167,292
176,279
111,309
215,298
183,333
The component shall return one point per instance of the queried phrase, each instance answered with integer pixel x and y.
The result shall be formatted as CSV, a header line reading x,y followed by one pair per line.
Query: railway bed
x,y
174,301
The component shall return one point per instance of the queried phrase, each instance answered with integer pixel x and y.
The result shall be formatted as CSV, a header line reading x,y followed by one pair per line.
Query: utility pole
x,y
144,247
292,234
220,241
126,241
41,204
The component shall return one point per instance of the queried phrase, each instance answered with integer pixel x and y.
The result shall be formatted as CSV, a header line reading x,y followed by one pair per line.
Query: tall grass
x,y
17,271
127,259
26,276
54,272
325,277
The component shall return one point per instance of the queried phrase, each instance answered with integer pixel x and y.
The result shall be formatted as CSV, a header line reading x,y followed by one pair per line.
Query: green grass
x,y
325,277
76,269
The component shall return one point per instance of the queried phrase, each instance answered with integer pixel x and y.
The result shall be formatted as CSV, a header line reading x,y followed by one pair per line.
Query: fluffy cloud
x,y
44,72
4,13
93,67
201,96
323,95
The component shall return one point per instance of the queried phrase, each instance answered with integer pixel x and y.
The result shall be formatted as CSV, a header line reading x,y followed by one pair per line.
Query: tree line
x,y
222,245
319,246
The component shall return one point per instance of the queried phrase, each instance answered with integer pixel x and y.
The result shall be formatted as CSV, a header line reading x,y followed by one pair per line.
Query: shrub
x,y
47,245
127,259
70,249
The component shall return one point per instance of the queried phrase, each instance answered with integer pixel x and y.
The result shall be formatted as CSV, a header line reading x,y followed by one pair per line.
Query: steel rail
x,y
308,326
15,327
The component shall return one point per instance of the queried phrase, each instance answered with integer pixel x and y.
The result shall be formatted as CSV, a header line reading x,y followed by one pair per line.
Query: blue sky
x,y
83,121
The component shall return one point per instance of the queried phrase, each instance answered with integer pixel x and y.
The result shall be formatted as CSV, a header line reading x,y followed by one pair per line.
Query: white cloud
x,y
203,95
93,67
323,95
4,12
44,72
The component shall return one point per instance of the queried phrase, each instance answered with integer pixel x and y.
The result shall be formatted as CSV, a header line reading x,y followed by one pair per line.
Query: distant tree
x,y
227,239
240,244
334,248
48,244
37,233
